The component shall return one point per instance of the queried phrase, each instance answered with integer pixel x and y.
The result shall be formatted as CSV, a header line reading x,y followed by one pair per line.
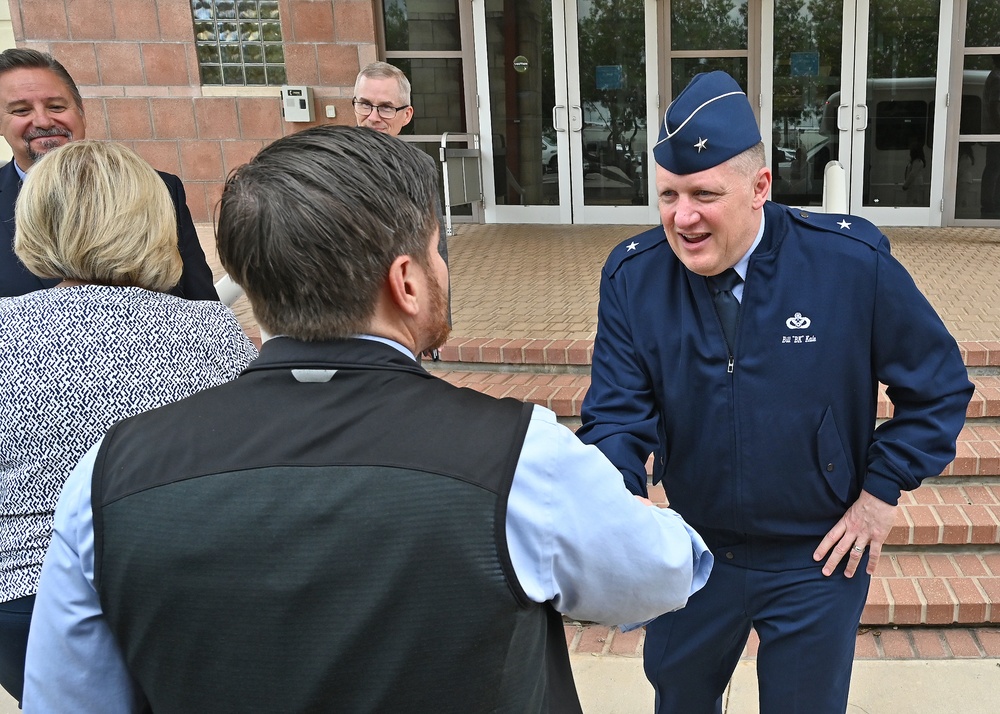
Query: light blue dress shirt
x,y
576,537
744,264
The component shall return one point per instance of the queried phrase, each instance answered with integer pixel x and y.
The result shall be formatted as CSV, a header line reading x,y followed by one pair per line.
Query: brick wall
x,y
136,66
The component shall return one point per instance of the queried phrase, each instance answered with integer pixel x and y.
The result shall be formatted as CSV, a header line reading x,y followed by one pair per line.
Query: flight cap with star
x,y
709,122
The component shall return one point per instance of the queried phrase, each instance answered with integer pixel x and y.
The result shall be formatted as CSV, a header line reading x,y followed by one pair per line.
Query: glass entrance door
x,y
807,77
892,113
568,105
975,158
858,83
610,108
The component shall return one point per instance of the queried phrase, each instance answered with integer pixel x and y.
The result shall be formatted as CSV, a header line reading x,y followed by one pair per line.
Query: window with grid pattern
x,y
239,42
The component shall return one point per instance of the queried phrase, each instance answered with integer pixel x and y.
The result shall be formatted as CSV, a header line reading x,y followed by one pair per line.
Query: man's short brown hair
x,y
309,227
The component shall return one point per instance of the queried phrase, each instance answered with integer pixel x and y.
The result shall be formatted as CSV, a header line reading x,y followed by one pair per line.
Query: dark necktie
x,y
726,304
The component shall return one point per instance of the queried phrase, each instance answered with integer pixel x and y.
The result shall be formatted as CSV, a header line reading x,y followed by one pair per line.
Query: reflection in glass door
x,y
899,101
705,41
609,111
808,46
858,84
977,160
883,118
568,108
520,76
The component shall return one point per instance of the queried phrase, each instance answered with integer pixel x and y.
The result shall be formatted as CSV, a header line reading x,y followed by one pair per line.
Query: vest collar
x,y
286,353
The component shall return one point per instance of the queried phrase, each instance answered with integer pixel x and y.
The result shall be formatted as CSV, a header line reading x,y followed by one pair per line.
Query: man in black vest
x,y
41,109
337,529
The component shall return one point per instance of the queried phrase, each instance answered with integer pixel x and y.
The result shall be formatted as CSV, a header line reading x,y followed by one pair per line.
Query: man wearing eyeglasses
x,y
382,98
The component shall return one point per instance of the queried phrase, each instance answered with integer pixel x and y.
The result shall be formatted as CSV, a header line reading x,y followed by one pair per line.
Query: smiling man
x,y
742,342
40,110
41,113
382,98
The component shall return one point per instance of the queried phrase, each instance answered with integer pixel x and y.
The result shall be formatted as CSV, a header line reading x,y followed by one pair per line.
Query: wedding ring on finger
x,y
858,550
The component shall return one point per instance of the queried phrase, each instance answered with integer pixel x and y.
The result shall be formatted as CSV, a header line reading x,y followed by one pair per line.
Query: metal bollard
x,y
229,291
834,188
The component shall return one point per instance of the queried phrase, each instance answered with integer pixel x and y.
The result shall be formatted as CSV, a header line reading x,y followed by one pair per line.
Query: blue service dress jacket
x,y
775,436
196,281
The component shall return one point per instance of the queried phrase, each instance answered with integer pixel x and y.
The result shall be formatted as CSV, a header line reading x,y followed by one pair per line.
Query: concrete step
x,y
977,454
563,392
503,350
941,562
977,451
952,515
873,643
985,402
959,517
915,588
507,351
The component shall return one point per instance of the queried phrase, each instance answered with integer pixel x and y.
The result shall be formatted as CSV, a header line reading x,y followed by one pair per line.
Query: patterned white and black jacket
x,y
75,360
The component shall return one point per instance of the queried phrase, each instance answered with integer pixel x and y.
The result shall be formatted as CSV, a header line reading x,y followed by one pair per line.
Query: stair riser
x,y
978,355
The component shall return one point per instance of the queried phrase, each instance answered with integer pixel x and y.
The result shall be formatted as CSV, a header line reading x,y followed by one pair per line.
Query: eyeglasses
x,y
363,109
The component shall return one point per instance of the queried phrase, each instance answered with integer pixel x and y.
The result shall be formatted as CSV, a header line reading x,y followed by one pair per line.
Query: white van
x,y
901,126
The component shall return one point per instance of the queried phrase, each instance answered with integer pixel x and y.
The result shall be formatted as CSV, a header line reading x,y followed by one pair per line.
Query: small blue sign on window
x,y
805,64
609,76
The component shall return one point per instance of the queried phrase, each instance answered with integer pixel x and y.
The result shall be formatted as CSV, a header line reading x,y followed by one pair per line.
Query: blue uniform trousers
x,y
807,624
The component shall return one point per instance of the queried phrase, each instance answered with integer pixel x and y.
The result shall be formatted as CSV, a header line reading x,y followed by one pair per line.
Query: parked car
x,y
550,155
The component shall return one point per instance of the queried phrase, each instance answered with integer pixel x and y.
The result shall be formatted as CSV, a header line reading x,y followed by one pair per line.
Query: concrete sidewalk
x,y
616,685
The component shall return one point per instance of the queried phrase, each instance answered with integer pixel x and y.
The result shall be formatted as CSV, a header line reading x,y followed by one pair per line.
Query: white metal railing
x,y
462,173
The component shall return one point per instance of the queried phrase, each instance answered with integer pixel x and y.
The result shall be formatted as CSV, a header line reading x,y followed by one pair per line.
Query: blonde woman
x,y
106,343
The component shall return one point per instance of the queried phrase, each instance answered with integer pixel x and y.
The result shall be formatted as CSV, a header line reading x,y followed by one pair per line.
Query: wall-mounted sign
x,y
805,64
608,76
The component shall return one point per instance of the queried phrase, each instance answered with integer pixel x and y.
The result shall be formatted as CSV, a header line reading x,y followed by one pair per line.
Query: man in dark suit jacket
x,y
40,110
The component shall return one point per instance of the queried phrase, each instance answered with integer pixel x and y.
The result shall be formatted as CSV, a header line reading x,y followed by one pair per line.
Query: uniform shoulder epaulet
x,y
634,246
842,224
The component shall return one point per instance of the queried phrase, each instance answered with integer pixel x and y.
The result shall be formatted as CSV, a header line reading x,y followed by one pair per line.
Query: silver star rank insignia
x,y
701,144
844,224
632,246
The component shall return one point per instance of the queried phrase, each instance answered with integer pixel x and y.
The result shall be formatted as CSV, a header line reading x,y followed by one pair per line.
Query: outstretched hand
x,y
866,524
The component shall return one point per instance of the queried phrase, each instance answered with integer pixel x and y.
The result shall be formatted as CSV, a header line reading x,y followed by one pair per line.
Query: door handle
x,y
843,117
555,117
861,117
